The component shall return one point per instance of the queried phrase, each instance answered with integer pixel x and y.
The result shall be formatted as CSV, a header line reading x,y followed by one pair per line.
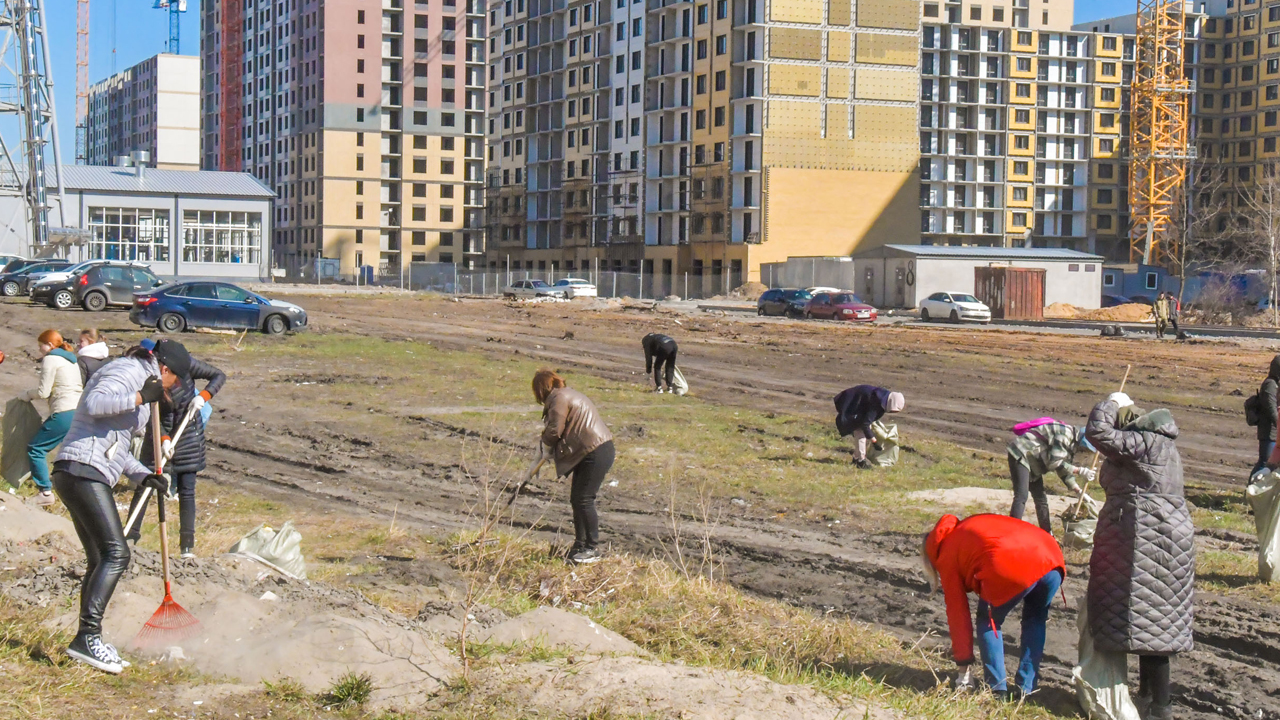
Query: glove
x,y
159,482
1120,399
152,390
879,447
547,451
166,447
1086,474
198,402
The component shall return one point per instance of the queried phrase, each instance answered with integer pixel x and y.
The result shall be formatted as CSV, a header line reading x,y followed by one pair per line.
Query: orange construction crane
x,y
1159,156
82,81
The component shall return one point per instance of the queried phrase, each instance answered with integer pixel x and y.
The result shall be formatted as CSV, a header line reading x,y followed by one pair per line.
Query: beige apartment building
x,y
366,118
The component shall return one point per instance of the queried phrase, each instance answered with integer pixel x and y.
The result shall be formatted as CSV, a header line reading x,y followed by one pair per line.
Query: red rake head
x,y
169,625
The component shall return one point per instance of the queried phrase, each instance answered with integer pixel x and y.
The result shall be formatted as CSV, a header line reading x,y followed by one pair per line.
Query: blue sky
x,y
140,32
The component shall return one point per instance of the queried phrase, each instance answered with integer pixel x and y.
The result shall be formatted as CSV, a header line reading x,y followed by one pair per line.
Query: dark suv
x,y
13,284
112,284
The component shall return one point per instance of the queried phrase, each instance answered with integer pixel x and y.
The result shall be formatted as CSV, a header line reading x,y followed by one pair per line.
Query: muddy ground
x,y
961,385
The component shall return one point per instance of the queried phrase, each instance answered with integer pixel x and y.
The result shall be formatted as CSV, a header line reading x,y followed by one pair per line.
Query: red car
x,y
839,306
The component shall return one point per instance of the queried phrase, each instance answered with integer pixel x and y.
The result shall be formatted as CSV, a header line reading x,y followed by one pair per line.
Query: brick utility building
x,y
154,107
366,118
736,133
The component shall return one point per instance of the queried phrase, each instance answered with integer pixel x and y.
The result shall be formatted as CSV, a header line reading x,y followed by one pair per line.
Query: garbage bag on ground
x,y
1078,529
680,384
1264,497
21,422
280,549
887,437
1101,678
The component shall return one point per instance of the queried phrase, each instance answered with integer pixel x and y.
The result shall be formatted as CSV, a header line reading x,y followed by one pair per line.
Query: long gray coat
x,y
1143,564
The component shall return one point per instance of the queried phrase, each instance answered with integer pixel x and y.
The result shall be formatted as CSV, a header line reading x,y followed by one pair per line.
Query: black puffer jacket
x,y
188,456
1268,415
1142,569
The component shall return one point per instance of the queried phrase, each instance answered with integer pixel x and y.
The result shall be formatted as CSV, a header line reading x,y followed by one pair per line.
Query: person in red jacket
x,y
1004,561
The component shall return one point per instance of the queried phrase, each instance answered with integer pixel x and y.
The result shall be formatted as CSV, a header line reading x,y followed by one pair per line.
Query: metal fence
x,y
449,278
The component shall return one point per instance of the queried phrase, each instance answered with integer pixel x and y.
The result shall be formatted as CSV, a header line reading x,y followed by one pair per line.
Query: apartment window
x,y
1207,100
1019,194
419,189
1246,98
359,89
1024,64
446,213
1108,95
419,213
1104,197
1246,73
1020,219
719,116
1106,171
635,93
360,17
718,152
700,85
359,187
1273,13
704,14
1022,117
931,10
700,120
1104,222
446,143
1109,43
1022,142
722,9
975,12
635,127
1269,145
702,49
420,165
1109,69
360,41
722,44
1020,167
359,162
419,238
1107,120
636,28
360,65
446,239
720,80
1024,37
1023,90
359,211
636,60
1269,118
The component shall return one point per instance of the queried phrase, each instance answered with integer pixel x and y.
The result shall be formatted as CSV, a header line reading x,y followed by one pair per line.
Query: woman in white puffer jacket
x,y
61,385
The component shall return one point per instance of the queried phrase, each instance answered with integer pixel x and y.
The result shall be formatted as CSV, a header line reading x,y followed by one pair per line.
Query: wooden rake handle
x,y
1093,466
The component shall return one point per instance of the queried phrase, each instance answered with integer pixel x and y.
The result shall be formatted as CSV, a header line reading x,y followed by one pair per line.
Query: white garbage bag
x,y
681,385
1264,496
1101,678
281,549
887,437
1079,529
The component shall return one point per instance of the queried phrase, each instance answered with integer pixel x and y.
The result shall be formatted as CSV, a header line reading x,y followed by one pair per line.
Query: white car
x,y
576,287
532,289
819,289
954,306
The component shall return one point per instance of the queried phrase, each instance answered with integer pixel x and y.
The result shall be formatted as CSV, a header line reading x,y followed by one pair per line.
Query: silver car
x,y
532,289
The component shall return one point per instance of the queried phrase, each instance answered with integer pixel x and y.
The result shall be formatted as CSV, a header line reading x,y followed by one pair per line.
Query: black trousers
x,y
1023,484
1153,680
186,484
664,366
588,475
97,522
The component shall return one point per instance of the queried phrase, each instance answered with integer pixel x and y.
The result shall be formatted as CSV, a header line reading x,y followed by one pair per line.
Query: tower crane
x,y
174,7
1160,153
82,81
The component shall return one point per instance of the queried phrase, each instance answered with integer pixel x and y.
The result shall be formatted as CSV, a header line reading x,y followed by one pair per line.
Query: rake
x,y
170,623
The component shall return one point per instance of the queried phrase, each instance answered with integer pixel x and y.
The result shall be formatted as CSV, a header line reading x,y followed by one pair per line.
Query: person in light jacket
x,y
115,406
580,443
60,385
1142,571
1044,449
91,353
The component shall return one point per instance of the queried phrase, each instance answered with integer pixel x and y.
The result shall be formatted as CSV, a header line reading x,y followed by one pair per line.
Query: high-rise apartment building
x,y
756,132
1023,133
365,117
153,106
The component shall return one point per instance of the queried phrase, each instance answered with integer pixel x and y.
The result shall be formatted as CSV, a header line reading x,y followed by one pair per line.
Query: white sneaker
x,y
119,658
44,498
658,390
92,651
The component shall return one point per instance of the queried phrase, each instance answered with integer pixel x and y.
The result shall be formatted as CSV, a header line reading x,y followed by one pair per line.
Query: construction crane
x,y
82,81
1158,121
174,7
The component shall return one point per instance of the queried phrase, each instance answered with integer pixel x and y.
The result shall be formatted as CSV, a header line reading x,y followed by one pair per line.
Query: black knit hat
x,y
171,354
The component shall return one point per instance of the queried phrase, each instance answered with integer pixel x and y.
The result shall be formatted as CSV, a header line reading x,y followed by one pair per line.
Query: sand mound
x,y
559,628
748,291
1131,312
1063,311
20,522
975,500
627,685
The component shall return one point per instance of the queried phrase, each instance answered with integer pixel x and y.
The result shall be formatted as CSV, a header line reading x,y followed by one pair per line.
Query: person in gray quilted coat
x,y
1143,564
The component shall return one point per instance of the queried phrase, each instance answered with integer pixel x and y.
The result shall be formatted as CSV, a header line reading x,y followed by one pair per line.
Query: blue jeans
x,y
48,437
1035,615
1264,453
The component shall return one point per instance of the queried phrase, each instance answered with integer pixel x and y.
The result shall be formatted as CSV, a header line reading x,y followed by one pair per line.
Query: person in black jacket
x,y
659,353
1268,417
857,408
186,456
91,353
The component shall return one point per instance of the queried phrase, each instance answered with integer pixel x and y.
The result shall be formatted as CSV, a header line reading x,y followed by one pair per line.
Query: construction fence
x,y
448,278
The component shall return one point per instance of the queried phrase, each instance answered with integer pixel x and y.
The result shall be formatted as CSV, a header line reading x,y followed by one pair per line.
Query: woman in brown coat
x,y
579,442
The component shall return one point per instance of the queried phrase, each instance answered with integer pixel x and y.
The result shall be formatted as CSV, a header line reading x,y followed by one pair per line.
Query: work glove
x,y
159,482
166,447
152,390
198,402
964,681
1120,399
879,446
1086,474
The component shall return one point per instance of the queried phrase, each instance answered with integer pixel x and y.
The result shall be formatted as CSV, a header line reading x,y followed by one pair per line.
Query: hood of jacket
x,y
100,351
1158,421
1274,374
933,541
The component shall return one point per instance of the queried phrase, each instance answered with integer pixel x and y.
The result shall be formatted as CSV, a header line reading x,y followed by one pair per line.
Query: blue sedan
x,y
174,308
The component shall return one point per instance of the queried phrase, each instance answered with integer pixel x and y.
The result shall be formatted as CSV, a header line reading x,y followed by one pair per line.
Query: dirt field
x,y
335,436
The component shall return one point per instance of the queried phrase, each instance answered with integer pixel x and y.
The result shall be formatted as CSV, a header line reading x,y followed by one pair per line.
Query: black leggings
x,y
588,474
1153,679
186,484
1024,484
663,358
93,512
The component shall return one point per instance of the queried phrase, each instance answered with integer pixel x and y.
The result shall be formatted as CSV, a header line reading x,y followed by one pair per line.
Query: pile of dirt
x,y
751,290
1130,312
977,499
1063,311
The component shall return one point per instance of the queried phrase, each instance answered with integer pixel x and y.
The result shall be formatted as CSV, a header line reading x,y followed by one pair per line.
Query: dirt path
x,y
964,386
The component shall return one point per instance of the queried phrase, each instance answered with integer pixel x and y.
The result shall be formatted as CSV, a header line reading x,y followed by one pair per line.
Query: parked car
x,y
36,280
955,307
839,306
788,302
821,289
13,284
6,259
575,287
111,285
533,289
185,306
1114,300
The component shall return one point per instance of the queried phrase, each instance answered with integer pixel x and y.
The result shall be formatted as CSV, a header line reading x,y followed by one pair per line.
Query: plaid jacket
x,y
1045,449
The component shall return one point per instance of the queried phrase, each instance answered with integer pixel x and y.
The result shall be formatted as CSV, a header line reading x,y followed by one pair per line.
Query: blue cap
x,y
149,345
1083,441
